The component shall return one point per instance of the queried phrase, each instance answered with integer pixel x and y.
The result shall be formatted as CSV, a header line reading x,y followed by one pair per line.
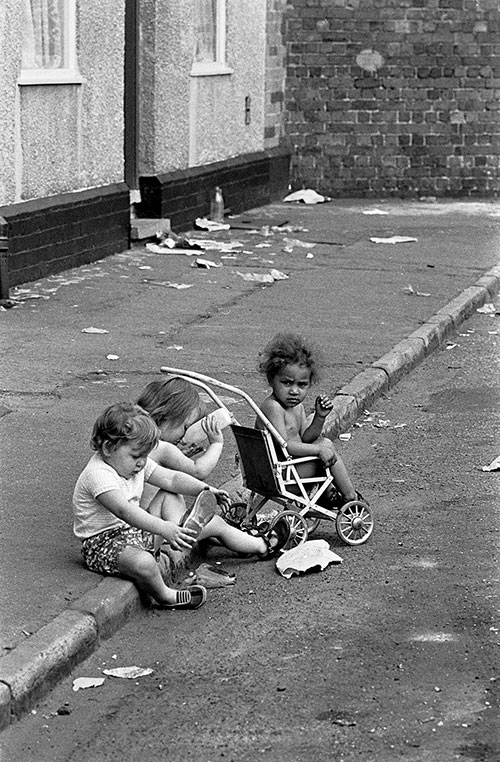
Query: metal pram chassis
x,y
270,473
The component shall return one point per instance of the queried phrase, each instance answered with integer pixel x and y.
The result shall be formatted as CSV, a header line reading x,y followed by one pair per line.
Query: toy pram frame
x,y
271,473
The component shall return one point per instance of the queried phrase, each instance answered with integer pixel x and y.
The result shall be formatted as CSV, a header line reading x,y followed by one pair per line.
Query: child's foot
x,y
275,539
187,599
204,508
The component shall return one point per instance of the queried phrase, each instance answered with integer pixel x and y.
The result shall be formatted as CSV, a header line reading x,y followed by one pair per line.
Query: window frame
x,y
61,76
219,66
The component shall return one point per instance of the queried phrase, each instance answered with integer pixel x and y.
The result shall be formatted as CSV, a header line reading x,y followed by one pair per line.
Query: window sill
x,y
210,70
50,77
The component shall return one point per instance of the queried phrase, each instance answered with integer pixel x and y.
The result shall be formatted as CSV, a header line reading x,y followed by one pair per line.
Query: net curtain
x,y
42,41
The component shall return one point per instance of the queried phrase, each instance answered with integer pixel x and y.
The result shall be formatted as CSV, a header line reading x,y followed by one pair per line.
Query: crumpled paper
x,y
312,555
87,682
307,196
494,465
394,239
130,673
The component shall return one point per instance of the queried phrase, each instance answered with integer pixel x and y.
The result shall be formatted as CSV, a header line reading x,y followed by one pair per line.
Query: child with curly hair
x,y
290,366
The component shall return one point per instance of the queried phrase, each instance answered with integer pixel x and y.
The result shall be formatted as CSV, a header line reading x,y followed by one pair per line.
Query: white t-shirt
x,y
90,516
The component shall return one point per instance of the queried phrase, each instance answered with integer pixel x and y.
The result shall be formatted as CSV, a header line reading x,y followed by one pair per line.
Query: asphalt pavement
x,y
377,285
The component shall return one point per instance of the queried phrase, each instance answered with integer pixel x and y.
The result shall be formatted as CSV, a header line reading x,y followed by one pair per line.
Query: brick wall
x,y
275,75
394,97
247,181
48,235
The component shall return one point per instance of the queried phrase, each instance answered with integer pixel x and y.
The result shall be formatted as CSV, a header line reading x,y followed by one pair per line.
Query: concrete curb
x,y
34,667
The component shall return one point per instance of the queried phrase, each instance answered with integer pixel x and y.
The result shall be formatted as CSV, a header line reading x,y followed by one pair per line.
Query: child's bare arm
x,y
135,516
170,456
184,484
322,407
290,431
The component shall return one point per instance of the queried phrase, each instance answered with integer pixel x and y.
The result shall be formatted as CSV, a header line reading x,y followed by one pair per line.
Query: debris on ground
x,y
493,466
488,309
210,576
87,682
264,277
374,211
129,673
312,555
410,290
91,329
208,244
7,304
168,284
202,223
394,239
171,242
205,264
257,223
292,243
306,196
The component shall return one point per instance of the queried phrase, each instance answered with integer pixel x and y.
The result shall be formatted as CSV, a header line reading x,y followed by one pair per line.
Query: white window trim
x,y
219,66
68,75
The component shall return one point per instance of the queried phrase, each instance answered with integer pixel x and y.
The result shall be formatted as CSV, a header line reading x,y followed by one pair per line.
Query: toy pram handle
x,y
200,380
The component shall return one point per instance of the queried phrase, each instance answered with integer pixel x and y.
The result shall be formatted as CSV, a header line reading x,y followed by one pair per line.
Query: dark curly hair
x,y
288,349
125,422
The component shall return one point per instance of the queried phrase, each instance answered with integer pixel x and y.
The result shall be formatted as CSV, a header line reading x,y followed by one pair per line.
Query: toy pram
x,y
270,473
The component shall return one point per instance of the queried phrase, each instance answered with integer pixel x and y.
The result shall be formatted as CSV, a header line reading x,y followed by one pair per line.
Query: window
x,y
210,38
49,48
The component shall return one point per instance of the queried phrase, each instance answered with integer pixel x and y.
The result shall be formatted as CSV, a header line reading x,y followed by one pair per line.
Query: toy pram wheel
x,y
354,522
236,515
298,527
312,523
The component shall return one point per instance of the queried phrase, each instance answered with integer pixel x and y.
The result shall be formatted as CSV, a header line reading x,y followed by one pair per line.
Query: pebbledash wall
x,y
394,97
199,130
63,201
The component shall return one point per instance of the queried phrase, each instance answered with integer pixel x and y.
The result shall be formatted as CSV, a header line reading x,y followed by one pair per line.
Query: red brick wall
x,y
394,97
275,75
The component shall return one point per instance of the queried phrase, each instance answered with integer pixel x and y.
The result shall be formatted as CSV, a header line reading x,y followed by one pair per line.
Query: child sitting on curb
x,y
117,534
174,404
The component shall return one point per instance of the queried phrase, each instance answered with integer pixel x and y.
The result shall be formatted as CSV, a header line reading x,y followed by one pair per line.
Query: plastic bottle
x,y
217,206
196,435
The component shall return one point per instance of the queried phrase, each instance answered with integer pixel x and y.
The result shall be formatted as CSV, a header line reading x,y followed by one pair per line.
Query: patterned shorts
x,y
100,552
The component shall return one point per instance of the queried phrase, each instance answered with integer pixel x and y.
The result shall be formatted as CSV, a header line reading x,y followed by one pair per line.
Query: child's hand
x,y
191,449
327,453
323,405
223,498
178,537
212,429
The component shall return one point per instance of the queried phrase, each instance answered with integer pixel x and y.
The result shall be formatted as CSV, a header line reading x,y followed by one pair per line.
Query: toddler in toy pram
x,y
290,366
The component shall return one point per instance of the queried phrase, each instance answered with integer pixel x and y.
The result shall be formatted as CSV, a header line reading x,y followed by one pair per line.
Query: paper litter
x,y
307,196
87,682
130,673
312,555
394,239
493,466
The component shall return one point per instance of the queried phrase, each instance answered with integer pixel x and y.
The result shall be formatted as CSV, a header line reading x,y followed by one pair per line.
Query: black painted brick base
x,y
247,181
47,235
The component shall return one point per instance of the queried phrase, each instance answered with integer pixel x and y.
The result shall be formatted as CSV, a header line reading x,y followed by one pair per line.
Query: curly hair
x,y
125,422
170,400
288,349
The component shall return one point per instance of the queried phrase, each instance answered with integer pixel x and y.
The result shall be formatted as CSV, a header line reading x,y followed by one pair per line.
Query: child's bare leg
x,y
168,506
140,566
232,537
342,480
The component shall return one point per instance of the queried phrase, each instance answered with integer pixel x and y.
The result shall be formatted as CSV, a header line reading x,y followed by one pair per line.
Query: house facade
x,y
108,102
